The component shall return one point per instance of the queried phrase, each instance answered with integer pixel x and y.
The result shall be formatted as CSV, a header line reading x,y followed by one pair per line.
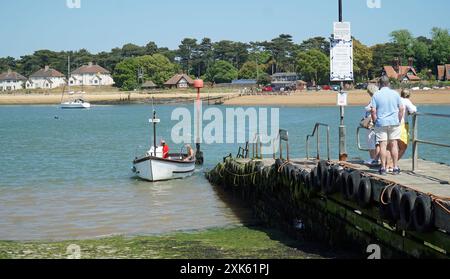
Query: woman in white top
x,y
374,148
410,108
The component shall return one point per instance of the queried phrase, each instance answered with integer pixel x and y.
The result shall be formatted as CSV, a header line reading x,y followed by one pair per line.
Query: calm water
x,y
70,177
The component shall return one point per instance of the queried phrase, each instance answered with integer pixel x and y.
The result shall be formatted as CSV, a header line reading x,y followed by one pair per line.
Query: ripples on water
x,y
70,177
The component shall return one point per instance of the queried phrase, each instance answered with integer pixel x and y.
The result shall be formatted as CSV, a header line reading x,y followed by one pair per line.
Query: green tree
x,y
132,50
383,54
151,48
282,50
404,41
8,63
203,57
313,65
250,70
156,68
186,53
235,53
440,46
319,43
362,60
421,49
221,72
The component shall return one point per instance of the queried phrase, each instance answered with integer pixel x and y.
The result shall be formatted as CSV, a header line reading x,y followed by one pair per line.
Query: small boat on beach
x,y
154,166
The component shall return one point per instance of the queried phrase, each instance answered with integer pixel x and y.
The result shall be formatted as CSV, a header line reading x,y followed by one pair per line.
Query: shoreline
x,y
217,243
298,99
112,98
329,98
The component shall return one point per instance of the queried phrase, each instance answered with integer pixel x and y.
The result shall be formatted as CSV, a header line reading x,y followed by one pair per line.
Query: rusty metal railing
x,y
415,136
316,133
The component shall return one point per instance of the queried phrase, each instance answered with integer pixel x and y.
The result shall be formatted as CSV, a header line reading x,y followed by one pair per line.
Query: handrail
x,y
316,131
416,141
283,136
358,140
257,147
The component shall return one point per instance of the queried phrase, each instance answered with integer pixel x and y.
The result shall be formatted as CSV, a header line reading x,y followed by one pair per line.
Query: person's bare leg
x,y
383,154
394,153
401,149
373,154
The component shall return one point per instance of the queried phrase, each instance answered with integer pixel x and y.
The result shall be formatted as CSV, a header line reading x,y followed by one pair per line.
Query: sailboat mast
x,y
154,133
68,71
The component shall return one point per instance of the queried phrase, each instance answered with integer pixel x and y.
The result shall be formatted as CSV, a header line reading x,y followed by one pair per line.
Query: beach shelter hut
x,y
179,81
148,85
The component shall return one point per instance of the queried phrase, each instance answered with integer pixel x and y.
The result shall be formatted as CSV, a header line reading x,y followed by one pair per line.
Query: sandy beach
x,y
107,97
320,98
329,98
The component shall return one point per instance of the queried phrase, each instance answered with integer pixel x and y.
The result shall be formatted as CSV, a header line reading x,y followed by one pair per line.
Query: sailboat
x,y
78,103
154,166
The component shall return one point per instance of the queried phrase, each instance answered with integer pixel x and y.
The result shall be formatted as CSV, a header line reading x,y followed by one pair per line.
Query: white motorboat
x,y
153,166
76,104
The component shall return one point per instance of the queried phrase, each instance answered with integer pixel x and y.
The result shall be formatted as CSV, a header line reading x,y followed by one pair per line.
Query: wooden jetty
x,y
347,203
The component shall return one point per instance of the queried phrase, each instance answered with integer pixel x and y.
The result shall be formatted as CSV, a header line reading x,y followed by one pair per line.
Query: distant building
x,y
148,85
46,78
10,81
244,83
443,72
284,80
401,73
179,81
91,75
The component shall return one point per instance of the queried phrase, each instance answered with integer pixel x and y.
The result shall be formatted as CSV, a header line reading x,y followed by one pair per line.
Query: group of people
x,y
189,150
386,119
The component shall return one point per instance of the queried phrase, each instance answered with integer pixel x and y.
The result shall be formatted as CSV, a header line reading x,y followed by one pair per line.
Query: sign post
x,y
341,69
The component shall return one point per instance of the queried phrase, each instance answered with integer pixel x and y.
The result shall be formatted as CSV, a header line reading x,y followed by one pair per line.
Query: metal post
x,y
318,142
287,150
154,133
342,129
415,144
281,149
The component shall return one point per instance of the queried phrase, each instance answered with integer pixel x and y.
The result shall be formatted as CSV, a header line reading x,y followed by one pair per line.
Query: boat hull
x,y
75,106
157,169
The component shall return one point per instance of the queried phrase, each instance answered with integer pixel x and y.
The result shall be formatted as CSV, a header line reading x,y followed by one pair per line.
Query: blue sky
x,y
100,25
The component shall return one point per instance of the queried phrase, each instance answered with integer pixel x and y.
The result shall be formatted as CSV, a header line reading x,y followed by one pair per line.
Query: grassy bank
x,y
238,242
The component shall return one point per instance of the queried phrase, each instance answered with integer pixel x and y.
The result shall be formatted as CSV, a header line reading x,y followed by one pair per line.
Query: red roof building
x,y
402,73
443,72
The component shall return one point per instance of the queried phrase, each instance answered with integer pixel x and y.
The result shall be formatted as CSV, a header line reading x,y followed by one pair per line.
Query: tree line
x,y
225,60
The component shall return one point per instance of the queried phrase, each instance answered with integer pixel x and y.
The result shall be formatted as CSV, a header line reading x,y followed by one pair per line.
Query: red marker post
x,y
198,83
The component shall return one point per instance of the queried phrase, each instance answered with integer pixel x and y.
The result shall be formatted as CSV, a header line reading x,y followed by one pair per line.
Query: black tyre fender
x,y
322,168
343,184
352,185
308,184
385,210
278,163
407,210
423,214
323,180
332,179
294,174
312,180
315,179
365,192
394,205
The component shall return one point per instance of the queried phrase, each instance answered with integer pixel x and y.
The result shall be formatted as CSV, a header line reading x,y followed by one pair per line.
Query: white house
x,y
46,78
91,75
10,81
